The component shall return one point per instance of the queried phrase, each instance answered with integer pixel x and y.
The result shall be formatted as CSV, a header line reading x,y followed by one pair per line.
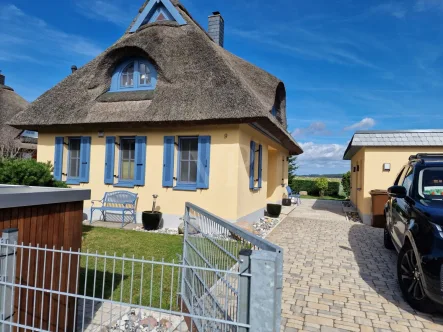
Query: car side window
x,y
407,182
397,180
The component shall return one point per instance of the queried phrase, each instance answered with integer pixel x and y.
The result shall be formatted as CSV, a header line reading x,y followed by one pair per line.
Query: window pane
x,y
193,171
127,77
74,158
127,146
184,146
193,149
145,76
125,170
184,169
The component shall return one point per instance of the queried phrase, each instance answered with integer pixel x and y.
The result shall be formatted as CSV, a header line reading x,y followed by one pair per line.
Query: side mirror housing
x,y
397,192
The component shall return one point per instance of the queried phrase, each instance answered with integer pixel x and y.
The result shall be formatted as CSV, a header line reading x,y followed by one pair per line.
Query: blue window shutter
x,y
109,160
85,156
251,166
140,160
204,155
260,163
58,158
168,161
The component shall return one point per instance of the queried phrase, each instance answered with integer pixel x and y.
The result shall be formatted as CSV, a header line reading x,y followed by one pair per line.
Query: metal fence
x,y
213,243
49,289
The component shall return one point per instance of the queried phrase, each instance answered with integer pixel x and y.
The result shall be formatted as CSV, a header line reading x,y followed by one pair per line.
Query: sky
x,y
347,64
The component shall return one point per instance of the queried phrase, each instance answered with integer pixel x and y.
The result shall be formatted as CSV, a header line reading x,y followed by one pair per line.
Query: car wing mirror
x,y
397,192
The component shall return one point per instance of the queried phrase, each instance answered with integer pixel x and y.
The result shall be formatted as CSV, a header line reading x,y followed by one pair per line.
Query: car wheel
x,y
387,240
410,280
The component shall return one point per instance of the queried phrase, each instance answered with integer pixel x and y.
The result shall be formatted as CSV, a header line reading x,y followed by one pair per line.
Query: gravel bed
x,y
353,216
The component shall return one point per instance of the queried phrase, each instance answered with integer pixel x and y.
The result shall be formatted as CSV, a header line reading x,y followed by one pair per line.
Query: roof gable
x,y
158,10
406,138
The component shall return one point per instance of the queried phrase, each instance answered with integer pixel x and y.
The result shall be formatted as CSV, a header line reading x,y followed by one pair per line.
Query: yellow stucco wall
x,y
228,178
373,175
253,200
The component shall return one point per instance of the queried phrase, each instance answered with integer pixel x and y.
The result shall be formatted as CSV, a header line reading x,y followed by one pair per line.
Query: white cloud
x,y
308,44
31,35
425,5
328,157
317,128
366,123
114,11
390,8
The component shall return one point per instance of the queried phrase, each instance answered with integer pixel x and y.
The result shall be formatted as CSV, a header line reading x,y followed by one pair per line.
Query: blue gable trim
x,y
151,10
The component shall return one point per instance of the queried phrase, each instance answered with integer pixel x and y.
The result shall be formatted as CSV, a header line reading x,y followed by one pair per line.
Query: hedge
x,y
334,187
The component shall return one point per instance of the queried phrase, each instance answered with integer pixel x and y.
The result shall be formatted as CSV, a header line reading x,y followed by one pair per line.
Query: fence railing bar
x,y
67,289
252,238
217,273
136,260
216,244
136,306
201,299
76,290
59,288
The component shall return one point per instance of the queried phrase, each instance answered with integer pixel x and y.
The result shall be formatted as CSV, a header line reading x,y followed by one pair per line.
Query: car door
x,y
391,221
401,209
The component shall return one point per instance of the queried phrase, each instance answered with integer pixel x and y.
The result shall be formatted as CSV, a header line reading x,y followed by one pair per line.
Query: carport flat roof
x,y
389,138
16,196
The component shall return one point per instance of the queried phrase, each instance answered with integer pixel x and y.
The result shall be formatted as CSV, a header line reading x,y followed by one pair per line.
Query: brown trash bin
x,y
379,199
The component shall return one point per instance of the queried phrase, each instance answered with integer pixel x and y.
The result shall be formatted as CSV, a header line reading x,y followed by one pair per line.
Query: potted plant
x,y
151,219
273,210
286,201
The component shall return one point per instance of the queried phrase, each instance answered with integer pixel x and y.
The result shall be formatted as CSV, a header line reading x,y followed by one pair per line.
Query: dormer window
x,y
134,74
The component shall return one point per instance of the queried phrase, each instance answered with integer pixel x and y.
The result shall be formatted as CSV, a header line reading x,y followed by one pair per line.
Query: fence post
x,y
7,273
266,287
244,288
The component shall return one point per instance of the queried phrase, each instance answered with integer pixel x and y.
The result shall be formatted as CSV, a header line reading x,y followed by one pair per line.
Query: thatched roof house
x,y
167,111
10,105
198,82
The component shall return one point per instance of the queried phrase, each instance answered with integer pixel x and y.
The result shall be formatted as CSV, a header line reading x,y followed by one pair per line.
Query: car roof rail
x,y
422,156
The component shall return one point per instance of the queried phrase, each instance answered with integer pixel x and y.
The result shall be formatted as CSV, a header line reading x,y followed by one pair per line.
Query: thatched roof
x,y
198,82
10,105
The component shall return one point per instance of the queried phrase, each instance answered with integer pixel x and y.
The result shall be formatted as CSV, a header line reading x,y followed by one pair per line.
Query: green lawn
x,y
328,198
129,243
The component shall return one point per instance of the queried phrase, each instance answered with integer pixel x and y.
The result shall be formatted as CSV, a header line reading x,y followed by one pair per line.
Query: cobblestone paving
x,y
339,277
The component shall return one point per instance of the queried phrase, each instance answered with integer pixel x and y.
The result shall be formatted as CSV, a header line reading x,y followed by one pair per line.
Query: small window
x,y
74,158
127,77
188,157
135,74
255,167
127,159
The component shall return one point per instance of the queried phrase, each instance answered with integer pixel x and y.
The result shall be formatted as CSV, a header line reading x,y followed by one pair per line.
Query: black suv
x,y
414,227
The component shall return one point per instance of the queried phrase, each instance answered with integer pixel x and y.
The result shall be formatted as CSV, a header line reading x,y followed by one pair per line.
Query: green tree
x,y
346,183
28,172
322,185
292,167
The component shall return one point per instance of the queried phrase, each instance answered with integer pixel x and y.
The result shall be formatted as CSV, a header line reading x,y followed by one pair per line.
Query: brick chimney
x,y
73,68
216,28
2,78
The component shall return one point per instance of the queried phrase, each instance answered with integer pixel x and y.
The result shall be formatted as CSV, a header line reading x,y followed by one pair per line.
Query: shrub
x,y
346,183
308,185
322,185
28,172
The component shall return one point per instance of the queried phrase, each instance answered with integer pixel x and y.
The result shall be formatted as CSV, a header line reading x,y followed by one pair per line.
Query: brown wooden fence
x,y
52,225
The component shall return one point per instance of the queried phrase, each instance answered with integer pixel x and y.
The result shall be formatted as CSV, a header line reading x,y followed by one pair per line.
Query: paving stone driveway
x,y
338,276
